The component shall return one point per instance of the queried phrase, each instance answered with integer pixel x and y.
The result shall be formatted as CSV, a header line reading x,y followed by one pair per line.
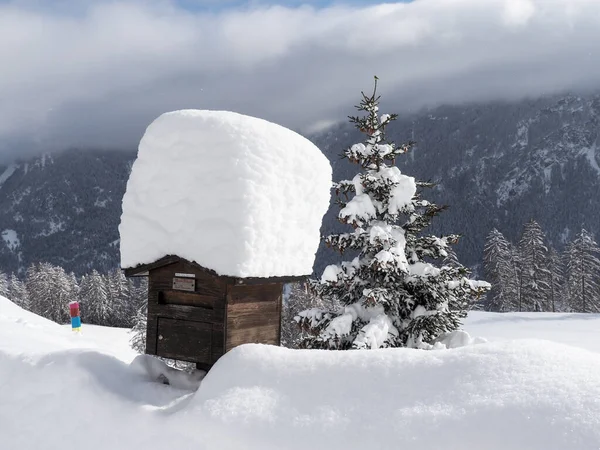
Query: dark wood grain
x,y
253,293
264,334
184,312
206,283
248,315
144,270
188,298
185,340
281,280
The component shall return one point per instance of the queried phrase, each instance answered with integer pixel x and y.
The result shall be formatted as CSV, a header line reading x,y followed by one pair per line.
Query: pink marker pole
x,y
75,319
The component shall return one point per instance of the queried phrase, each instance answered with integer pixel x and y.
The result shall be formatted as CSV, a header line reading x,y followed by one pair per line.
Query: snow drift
x,y
518,395
237,194
510,395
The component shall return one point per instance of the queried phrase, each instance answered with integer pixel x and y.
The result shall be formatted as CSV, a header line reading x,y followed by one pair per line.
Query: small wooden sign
x,y
185,275
184,284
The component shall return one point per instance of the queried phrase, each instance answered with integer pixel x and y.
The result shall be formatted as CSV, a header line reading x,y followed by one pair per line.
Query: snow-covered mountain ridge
x,y
497,164
63,208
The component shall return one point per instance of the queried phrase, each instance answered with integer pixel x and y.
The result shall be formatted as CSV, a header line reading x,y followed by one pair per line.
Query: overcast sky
x,y
95,73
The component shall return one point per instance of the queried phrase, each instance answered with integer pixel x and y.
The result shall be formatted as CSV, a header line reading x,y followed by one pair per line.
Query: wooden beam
x,y
143,269
182,312
269,280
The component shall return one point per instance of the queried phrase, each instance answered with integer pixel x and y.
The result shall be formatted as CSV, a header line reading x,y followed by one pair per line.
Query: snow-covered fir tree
x,y
138,332
63,291
451,259
516,257
391,293
139,301
501,271
557,278
118,297
109,299
527,278
300,298
535,273
582,274
17,292
3,285
139,295
93,296
37,282
73,287
49,291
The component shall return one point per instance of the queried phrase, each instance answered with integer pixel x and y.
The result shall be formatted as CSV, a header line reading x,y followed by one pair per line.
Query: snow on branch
x,y
392,294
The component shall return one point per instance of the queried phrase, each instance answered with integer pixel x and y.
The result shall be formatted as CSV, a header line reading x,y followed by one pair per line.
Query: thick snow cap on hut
x,y
235,194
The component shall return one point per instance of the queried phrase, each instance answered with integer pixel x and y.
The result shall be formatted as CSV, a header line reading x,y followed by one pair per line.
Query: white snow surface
x,y
56,386
236,194
11,238
361,207
577,330
8,172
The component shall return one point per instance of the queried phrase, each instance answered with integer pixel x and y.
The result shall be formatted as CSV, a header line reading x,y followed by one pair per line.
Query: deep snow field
x,y
60,390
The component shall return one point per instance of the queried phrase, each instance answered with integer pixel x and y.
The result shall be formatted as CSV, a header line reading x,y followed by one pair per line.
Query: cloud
x,y
95,73
518,12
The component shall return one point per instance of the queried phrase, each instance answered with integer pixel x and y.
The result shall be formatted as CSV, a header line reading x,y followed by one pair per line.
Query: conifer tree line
x,y
533,276
107,299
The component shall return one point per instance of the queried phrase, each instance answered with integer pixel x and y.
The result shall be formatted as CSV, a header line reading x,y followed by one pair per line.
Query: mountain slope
x,y
497,165
64,209
500,164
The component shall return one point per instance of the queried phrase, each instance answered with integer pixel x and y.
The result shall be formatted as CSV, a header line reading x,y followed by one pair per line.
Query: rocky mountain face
x,y
499,165
496,165
63,209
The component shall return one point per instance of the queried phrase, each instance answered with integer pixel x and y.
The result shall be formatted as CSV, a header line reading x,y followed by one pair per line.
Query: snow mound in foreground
x,y
518,395
507,395
237,194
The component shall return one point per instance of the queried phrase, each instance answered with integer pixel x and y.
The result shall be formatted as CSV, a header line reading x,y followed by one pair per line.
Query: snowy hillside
x,y
57,386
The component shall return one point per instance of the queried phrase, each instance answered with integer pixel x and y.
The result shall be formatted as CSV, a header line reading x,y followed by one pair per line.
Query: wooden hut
x,y
196,315
220,210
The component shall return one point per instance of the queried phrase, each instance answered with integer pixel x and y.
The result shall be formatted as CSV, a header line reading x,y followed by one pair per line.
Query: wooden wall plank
x,y
183,312
170,297
244,309
248,315
218,342
253,293
251,321
184,340
151,334
265,334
